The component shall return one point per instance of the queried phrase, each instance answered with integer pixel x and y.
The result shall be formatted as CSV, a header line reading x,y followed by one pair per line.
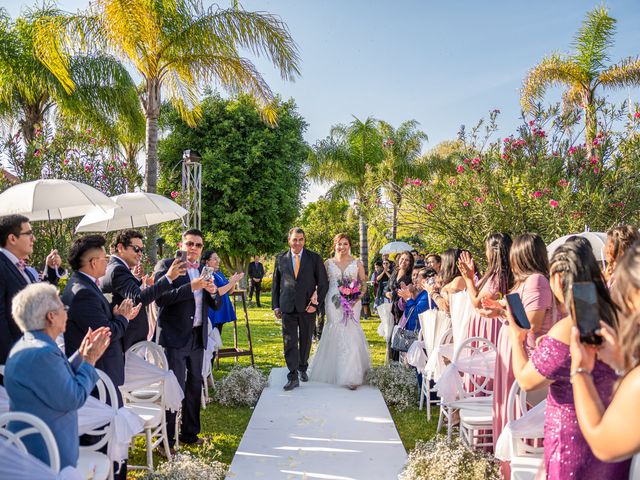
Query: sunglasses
x,y
193,244
137,249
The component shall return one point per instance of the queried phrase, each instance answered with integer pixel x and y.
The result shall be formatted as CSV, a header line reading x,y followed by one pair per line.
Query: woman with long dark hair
x,y
449,278
400,277
566,453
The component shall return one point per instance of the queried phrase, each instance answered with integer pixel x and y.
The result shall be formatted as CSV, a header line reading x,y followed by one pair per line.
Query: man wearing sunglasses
x,y
121,283
184,331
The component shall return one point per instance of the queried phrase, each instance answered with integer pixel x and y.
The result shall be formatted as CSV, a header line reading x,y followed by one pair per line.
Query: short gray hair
x,y
297,230
31,305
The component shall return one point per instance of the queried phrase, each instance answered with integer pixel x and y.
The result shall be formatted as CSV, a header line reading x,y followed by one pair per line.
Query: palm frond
x,y
551,71
624,74
593,40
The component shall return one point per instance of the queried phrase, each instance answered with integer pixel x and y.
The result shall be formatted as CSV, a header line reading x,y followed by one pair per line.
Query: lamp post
x,y
192,189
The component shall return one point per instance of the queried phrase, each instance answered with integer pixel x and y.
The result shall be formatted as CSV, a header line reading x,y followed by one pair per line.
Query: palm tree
x,y
583,72
348,159
29,92
402,149
176,47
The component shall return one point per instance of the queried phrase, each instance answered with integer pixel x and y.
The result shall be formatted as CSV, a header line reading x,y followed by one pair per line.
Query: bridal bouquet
x,y
349,291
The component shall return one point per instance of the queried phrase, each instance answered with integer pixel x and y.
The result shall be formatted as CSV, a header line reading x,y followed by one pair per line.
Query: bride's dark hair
x,y
339,237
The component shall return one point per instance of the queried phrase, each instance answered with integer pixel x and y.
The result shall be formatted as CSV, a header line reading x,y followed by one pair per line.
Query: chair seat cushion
x,y
477,415
94,465
149,412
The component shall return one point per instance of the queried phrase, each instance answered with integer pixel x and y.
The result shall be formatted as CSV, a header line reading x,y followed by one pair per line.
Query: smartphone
x,y
182,255
584,310
207,273
517,310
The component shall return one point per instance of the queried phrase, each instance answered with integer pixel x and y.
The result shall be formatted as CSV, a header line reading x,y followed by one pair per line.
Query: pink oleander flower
x,y
595,142
417,182
572,150
596,170
111,168
553,203
593,160
465,204
479,199
475,161
506,140
563,183
124,164
546,190
536,194
65,161
636,115
465,161
531,123
453,181
460,169
36,153
174,194
504,156
430,207
88,168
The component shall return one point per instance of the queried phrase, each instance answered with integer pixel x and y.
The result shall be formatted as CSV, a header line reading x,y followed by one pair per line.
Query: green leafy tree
x,y
402,149
252,174
176,47
104,93
348,160
323,219
583,72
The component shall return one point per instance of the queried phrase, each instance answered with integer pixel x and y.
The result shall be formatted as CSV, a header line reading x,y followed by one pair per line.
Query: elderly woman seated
x,y
38,377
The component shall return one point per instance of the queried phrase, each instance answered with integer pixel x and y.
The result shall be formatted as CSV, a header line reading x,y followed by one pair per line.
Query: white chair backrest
x,y
152,353
461,310
634,474
107,395
433,323
34,426
519,403
482,352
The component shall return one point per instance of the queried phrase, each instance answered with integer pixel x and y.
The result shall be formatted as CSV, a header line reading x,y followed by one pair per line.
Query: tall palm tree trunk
x,y
394,222
363,228
590,122
152,113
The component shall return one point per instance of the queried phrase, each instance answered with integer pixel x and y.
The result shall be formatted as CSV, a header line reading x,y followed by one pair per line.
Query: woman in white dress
x,y
343,355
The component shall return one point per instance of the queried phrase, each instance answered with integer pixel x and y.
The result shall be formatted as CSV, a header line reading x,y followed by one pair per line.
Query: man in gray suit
x,y
297,275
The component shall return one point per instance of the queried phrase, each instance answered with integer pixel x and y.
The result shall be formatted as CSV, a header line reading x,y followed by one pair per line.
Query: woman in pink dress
x,y
530,266
566,452
494,284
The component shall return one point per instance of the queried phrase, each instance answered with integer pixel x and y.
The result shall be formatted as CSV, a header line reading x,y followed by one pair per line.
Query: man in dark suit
x,y
16,245
89,309
121,283
297,275
256,273
184,331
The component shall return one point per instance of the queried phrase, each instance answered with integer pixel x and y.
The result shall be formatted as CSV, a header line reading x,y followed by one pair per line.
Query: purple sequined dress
x,y
566,453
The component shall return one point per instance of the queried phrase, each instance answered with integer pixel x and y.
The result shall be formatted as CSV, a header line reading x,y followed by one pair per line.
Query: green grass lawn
x,y
224,426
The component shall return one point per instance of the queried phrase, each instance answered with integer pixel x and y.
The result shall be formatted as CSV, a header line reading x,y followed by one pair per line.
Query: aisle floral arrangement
x,y
398,385
240,388
439,459
185,466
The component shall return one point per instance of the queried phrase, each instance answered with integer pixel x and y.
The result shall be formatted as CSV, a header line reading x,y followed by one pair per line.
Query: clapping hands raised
x,y
94,343
127,310
466,265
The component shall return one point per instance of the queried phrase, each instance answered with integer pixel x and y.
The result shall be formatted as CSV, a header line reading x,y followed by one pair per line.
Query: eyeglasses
x,y
137,249
193,244
62,308
29,233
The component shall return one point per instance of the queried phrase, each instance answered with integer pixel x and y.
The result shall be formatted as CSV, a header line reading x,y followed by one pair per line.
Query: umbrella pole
x,y
50,228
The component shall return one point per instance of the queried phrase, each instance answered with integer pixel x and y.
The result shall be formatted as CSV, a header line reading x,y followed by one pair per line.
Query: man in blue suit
x,y
121,283
16,245
184,331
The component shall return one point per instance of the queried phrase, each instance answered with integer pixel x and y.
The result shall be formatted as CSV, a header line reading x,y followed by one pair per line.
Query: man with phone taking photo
x,y
184,325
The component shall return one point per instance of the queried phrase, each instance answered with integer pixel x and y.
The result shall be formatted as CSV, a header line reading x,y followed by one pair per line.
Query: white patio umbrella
x,y
139,209
396,247
53,199
596,239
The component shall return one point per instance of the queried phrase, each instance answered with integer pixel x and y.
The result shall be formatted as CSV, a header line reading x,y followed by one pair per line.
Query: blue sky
x,y
443,63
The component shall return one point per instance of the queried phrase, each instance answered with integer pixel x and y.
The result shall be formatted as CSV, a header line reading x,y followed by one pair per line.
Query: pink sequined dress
x,y
566,453
536,295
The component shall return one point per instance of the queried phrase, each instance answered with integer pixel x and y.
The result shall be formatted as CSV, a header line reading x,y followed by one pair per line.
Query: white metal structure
x,y
435,331
34,426
192,189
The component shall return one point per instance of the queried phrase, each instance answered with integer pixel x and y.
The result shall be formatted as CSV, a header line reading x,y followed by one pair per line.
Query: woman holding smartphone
x,y
612,432
566,452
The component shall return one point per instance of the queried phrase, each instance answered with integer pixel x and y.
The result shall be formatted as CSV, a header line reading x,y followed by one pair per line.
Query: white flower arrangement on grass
x,y
184,466
240,388
398,385
439,459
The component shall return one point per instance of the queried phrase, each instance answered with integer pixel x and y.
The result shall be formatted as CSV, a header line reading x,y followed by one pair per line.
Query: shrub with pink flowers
x,y
538,179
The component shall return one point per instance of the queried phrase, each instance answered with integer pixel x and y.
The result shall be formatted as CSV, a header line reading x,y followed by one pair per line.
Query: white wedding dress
x,y
343,354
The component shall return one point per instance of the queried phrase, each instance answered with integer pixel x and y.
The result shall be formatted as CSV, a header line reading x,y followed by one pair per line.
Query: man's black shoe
x,y
198,441
291,384
304,377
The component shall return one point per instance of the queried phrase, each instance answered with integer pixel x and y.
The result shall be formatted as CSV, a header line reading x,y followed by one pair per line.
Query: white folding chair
x,y
35,426
148,402
91,461
526,458
473,361
435,330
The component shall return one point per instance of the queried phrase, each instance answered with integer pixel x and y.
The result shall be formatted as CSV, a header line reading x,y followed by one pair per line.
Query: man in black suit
x,y
16,245
297,275
184,330
256,273
121,283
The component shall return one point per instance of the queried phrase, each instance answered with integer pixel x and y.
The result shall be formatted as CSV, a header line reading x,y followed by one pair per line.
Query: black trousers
x,y
255,286
297,333
186,363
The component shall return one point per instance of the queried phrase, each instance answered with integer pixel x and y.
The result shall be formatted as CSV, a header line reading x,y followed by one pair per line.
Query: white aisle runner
x,y
318,431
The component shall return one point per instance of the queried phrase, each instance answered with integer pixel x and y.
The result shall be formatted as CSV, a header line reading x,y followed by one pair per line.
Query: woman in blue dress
x,y
226,313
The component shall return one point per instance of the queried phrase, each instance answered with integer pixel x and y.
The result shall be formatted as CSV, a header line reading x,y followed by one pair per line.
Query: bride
x,y
343,355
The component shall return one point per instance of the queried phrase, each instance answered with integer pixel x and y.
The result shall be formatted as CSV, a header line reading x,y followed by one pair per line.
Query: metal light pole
x,y
192,189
